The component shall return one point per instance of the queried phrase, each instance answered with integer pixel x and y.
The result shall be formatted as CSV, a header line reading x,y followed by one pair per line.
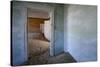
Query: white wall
x,y
47,29
81,32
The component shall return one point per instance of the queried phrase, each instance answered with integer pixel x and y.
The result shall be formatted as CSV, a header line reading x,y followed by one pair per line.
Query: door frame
x,y
51,45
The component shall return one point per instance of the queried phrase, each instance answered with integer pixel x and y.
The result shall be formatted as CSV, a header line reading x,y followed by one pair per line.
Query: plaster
x,y
81,28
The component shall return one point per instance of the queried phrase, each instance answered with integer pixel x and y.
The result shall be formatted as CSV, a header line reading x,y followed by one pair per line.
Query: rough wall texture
x,y
81,28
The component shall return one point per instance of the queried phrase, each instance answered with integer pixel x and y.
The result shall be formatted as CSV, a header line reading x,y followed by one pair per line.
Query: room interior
x,y
37,41
67,31
39,29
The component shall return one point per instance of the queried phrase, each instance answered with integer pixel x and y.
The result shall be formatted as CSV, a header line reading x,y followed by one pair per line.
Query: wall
x,y
36,13
47,29
34,24
81,28
58,46
19,18
19,29
34,27
59,29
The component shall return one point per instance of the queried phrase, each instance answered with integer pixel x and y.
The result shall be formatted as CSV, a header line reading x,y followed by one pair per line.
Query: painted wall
x,y
19,29
81,28
58,46
47,29
36,13
19,19
34,24
59,29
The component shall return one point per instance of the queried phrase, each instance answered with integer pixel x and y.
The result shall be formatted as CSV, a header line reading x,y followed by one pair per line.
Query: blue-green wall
x,y
19,18
59,29
19,28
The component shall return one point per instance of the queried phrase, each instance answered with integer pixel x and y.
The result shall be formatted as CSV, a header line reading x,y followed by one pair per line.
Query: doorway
x,y
38,35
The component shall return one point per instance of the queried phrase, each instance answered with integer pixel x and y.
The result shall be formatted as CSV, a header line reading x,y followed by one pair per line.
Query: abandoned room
x,y
51,33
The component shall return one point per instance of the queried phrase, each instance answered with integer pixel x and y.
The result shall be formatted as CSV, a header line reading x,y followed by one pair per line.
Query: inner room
x,y
39,30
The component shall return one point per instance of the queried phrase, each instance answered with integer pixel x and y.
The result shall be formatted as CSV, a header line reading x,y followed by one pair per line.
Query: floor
x,y
39,54
45,58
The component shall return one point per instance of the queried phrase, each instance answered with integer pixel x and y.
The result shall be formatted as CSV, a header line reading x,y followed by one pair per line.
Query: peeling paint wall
x,y
81,28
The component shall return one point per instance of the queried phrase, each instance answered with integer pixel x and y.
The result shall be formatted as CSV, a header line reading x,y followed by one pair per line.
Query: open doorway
x,y
38,36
